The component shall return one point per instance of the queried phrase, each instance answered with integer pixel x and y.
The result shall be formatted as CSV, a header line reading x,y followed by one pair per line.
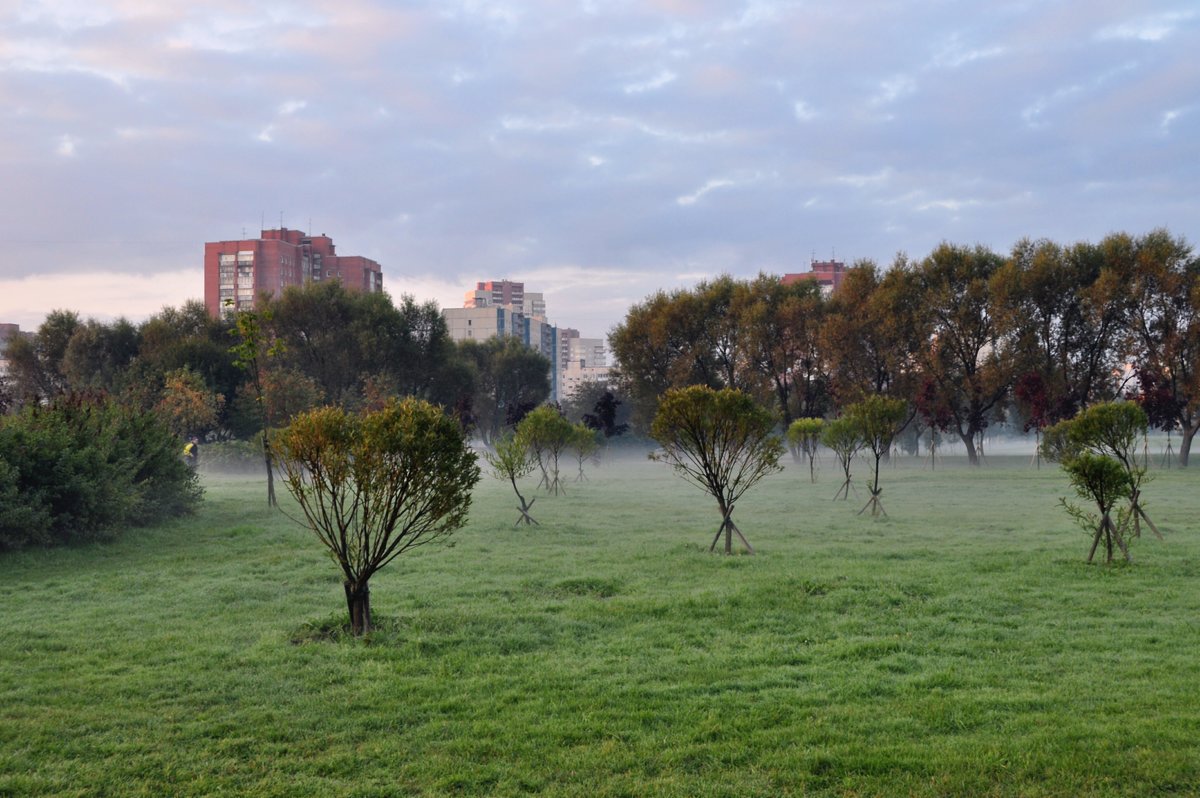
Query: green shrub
x,y
84,466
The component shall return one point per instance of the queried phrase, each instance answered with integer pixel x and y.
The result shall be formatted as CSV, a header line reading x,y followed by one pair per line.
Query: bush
x,y
83,467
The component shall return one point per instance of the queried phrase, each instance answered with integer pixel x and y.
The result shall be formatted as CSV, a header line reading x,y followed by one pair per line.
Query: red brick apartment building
x,y
238,272
826,273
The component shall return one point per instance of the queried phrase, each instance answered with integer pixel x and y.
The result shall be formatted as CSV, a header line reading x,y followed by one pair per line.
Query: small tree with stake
x,y
374,486
806,434
512,460
722,441
879,420
585,443
547,435
843,438
1103,480
1114,429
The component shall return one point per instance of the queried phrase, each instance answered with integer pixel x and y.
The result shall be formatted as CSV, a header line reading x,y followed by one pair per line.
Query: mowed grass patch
x,y
958,647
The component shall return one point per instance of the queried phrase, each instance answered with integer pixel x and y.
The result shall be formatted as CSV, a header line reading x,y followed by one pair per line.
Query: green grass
x,y
960,647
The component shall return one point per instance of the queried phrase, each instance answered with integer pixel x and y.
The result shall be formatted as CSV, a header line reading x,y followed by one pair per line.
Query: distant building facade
x,y
587,362
826,273
237,272
505,293
497,308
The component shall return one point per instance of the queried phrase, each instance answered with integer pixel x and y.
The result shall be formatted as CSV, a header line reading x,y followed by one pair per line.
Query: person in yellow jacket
x,y
191,452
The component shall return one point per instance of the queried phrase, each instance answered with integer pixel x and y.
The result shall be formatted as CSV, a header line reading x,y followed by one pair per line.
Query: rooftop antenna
x,y
281,220
310,225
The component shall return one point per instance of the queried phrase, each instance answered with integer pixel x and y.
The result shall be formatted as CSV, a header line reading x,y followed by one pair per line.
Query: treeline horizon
x,y
320,345
967,336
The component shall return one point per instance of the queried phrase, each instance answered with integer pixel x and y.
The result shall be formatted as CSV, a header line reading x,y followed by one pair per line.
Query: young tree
x,y
1113,429
547,434
842,437
722,441
1103,480
805,433
585,443
511,460
373,486
879,420
253,347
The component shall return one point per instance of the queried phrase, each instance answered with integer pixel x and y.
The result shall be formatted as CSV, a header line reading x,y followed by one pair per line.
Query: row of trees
x,y
966,336
313,346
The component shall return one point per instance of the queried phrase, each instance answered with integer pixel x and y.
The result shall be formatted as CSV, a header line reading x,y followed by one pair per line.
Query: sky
x,y
598,150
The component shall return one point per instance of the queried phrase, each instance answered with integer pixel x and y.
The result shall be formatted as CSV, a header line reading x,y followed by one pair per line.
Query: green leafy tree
x,y
843,437
805,435
511,459
781,341
966,356
35,364
508,379
879,420
374,486
720,440
1060,310
98,355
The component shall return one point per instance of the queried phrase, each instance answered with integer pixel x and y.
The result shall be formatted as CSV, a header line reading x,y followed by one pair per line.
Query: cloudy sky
x,y
597,150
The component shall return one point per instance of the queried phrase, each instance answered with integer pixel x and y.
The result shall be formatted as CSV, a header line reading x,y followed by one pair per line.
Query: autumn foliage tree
x,y
722,441
188,405
375,485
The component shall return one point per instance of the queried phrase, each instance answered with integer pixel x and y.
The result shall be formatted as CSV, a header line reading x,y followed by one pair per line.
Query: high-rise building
x,y
504,293
236,273
502,307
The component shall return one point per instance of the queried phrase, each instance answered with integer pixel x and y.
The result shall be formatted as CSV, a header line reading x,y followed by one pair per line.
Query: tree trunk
x,y
358,602
968,439
270,460
1185,445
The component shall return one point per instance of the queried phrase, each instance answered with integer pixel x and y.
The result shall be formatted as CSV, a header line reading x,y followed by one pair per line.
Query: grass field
x,y
960,647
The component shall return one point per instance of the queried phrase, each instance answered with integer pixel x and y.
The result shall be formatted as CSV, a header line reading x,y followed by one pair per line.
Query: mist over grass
x,y
959,647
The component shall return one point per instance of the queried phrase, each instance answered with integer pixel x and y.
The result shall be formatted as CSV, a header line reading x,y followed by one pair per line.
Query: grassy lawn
x,y
959,647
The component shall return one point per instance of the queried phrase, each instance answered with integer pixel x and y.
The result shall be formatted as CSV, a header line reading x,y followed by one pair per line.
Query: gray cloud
x,y
618,144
